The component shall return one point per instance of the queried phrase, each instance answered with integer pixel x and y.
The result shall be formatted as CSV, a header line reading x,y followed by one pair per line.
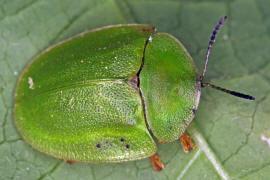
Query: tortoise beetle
x,y
97,96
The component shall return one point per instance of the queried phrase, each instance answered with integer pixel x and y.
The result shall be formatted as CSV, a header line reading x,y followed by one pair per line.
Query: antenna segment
x,y
211,42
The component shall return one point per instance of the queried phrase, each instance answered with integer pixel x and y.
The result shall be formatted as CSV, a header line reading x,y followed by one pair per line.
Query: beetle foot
x,y
186,142
157,165
70,162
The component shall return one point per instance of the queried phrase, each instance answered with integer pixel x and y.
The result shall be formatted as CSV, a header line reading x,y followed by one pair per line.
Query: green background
x,y
227,130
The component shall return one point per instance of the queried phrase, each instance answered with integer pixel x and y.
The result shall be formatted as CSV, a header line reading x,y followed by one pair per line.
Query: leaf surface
x,y
229,132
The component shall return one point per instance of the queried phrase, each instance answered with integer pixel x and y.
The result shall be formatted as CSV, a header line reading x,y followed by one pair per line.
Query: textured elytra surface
x,y
109,54
231,128
74,102
87,123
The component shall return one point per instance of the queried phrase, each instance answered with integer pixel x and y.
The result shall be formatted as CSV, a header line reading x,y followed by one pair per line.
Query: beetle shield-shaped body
x,y
96,97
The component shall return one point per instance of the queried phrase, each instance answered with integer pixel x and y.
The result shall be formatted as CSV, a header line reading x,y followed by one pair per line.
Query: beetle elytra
x,y
97,96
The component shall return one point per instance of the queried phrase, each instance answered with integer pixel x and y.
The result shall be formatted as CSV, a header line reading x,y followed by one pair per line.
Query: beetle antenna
x,y
234,93
211,42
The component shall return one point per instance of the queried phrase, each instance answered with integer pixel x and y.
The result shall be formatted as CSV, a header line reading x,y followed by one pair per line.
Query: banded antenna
x,y
211,42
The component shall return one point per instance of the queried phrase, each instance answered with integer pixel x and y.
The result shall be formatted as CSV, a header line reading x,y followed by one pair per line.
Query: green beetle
x,y
97,96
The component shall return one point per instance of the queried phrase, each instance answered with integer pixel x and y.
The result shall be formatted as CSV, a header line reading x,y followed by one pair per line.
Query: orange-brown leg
x,y
70,162
186,142
157,165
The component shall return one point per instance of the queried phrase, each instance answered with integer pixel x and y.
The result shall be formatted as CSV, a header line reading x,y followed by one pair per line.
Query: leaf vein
x,y
24,7
209,154
248,134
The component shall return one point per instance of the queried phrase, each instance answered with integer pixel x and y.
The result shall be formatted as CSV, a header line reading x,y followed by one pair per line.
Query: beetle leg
x,y
157,165
70,162
186,142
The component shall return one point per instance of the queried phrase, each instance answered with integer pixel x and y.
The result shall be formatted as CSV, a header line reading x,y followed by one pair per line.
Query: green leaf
x,y
228,131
